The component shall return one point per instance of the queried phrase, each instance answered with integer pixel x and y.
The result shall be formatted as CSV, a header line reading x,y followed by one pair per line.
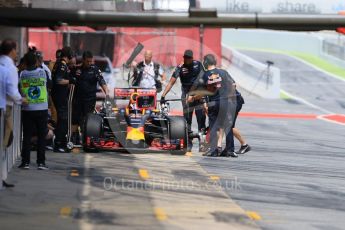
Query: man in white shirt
x,y
9,78
147,73
8,51
7,88
8,55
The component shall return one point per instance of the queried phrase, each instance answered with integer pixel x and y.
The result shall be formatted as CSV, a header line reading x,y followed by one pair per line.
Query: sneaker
x,y
206,151
219,149
60,150
226,153
232,154
213,153
7,185
244,149
24,166
49,147
42,167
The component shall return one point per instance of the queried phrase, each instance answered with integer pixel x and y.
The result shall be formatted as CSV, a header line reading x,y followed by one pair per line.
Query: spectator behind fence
x,y
7,88
8,51
33,85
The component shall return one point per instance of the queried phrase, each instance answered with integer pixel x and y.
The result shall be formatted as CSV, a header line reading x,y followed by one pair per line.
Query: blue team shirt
x,y
188,74
226,84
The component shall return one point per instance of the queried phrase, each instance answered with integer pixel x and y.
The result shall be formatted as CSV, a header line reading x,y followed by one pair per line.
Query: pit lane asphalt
x,y
294,176
111,190
292,179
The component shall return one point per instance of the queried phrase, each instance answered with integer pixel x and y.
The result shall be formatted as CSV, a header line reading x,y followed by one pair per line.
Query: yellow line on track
x,y
160,214
253,215
144,174
74,173
189,154
65,211
214,177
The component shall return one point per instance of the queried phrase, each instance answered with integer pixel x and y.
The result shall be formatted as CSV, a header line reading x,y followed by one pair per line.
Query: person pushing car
x,y
88,76
189,72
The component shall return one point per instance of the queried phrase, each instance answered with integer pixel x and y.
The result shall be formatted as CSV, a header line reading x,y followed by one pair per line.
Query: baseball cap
x,y
188,54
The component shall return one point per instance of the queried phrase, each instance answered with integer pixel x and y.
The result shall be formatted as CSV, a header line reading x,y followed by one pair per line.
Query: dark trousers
x,y
62,122
83,108
34,120
238,109
222,116
213,125
230,143
188,109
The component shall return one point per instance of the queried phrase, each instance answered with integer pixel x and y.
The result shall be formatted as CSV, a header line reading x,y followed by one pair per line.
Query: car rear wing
x,y
125,93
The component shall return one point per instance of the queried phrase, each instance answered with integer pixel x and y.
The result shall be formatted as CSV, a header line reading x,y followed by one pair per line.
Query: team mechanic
x,y
87,76
220,106
60,91
189,72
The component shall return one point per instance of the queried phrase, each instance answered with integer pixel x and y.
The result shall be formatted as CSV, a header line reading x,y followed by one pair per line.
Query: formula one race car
x,y
134,124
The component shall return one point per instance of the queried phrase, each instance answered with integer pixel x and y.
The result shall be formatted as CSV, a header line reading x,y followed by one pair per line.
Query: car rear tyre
x,y
93,129
178,130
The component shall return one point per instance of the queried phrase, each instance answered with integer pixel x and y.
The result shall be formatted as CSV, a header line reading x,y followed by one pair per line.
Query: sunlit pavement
x,y
292,179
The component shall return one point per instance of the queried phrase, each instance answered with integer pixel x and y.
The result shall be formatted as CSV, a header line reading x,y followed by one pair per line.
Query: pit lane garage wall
x,y
167,44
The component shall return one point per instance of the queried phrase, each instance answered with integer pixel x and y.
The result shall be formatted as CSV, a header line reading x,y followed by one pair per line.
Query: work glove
x,y
163,101
73,80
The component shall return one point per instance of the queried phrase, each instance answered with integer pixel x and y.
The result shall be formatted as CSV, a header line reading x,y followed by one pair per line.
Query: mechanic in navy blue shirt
x,y
61,80
220,106
189,72
88,76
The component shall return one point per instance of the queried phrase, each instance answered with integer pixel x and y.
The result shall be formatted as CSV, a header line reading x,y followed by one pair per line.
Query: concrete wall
x,y
253,76
310,43
18,34
272,40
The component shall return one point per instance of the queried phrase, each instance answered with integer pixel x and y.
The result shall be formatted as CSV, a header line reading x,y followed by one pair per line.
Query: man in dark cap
x,y
189,72
221,108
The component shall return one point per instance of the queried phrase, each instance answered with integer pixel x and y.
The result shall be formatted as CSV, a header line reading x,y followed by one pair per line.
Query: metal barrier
x,y
2,129
255,77
333,49
9,155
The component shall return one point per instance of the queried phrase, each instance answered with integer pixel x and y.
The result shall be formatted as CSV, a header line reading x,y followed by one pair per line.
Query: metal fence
x,y
253,76
10,154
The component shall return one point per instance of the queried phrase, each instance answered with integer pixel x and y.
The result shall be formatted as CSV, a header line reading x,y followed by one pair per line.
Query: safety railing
x,y
10,154
333,49
2,130
255,77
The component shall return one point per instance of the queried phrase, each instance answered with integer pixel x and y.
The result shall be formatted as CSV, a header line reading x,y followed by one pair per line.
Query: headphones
x,y
205,63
